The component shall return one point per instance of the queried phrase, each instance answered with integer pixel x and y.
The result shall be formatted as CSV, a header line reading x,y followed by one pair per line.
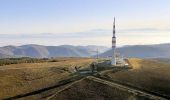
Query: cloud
x,y
89,34
84,34
95,37
143,30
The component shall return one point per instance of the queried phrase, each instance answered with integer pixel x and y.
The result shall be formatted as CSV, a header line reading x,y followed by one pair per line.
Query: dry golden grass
x,y
91,90
149,75
135,63
161,60
24,78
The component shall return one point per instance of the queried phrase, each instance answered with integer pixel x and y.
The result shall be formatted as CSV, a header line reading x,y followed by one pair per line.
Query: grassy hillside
x,y
8,61
163,60
146,74
90,90
22,78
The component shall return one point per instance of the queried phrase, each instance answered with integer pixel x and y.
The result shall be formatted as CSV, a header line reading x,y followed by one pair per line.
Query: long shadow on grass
x,y
107,78
61,83
74,77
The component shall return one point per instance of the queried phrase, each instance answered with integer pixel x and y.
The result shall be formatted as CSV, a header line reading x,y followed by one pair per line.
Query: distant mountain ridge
x,y
142,51
40,51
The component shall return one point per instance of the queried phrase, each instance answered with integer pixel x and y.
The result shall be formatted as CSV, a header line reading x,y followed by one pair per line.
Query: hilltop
x,y
58,79
145,74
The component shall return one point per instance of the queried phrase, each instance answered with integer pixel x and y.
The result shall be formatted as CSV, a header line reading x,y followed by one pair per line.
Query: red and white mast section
x,y
113,62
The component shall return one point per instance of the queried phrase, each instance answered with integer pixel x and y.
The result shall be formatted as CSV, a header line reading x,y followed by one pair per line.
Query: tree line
x,y
8,61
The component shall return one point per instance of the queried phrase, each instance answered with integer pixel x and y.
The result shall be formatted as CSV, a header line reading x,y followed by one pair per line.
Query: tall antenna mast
x,y
114,45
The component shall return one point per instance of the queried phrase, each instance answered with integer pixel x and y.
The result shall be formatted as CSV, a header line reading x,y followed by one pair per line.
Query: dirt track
x,y
127,89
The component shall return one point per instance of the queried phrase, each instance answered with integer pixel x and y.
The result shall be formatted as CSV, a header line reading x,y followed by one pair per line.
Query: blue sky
x,y
84,22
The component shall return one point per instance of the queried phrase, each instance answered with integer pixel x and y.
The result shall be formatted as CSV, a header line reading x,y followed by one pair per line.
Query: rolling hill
x,y
145,74
142,51
40,51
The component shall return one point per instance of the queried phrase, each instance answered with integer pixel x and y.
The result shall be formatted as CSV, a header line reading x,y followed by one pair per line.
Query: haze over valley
x,y
84,50
40,51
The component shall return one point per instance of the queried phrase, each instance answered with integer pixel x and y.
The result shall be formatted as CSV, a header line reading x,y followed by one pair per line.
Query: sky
x,y
84,22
